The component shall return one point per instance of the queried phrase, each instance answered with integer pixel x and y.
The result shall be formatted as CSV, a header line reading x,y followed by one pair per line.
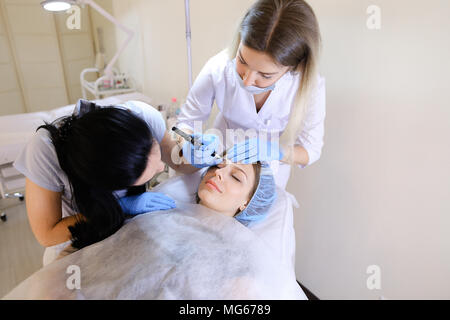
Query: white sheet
x,y
190,252
277,229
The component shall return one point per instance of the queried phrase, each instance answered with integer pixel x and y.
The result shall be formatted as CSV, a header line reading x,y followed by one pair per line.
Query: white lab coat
x,y
217,82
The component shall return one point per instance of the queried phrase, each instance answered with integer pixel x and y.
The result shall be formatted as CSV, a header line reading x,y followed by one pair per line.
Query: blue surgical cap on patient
x,y
262,200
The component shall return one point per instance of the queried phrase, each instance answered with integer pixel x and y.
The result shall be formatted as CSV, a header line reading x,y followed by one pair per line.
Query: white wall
x,y
77,51
380,193
157,56
40,58
107,30
9,80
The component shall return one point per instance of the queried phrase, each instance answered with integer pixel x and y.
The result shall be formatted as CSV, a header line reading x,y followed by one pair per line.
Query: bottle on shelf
x,y
172,112
173,107
163,110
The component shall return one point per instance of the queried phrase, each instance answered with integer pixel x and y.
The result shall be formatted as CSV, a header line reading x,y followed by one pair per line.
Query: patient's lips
x,y
210,183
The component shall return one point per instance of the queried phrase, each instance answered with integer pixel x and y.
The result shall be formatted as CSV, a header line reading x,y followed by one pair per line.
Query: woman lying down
x,y
196,251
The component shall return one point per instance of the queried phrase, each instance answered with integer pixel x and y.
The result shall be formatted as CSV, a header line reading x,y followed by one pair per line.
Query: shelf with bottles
x,y
119,83
170,111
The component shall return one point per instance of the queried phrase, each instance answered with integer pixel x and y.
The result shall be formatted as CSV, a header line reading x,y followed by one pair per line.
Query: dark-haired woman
x,y
86,172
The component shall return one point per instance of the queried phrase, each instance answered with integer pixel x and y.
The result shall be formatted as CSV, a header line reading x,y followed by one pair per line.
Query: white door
x,y
34,43
11,100
34,39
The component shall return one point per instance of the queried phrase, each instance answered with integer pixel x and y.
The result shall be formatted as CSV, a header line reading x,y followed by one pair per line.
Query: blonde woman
x,y
267,81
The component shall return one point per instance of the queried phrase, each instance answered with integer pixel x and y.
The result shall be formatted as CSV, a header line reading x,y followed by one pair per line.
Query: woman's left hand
x,y
253,150
146,202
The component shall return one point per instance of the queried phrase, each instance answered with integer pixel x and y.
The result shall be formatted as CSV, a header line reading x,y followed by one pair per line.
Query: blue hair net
x,y
263,198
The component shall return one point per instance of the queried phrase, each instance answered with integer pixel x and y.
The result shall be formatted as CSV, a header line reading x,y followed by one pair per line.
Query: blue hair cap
x,y
262,200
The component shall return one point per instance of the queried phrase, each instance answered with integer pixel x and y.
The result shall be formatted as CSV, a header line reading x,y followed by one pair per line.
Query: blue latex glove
x,y
201,156
146,202
253,150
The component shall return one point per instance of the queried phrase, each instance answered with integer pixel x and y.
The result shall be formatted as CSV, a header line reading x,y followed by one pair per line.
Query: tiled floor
x,y
20,253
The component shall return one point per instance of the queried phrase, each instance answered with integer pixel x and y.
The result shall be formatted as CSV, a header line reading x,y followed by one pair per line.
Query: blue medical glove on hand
x,y
146,202
200,156
253,150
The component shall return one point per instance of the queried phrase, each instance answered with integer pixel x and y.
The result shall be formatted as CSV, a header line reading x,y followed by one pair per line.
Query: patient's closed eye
x,y
241,60
234,173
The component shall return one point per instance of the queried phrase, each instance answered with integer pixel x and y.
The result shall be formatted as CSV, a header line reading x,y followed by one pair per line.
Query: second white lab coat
x,y
217,82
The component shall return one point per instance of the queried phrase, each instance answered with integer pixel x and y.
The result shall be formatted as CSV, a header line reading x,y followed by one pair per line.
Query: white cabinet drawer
x,y
14,184
9,172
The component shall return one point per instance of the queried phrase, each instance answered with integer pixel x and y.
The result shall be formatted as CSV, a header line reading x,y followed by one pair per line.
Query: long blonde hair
x,y
288,31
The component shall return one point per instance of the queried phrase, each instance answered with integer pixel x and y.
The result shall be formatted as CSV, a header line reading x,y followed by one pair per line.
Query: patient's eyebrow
x,y
239,169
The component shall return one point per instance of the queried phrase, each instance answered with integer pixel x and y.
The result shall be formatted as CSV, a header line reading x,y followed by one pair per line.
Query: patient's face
x,y
227,188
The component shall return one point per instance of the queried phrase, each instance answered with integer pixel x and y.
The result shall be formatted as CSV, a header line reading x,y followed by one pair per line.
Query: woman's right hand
x,y
201,156
146,202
